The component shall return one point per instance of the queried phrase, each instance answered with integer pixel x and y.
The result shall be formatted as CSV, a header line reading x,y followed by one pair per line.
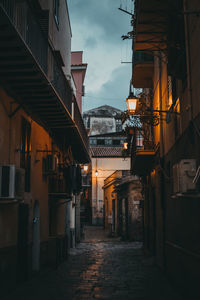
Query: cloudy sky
x,y
97,27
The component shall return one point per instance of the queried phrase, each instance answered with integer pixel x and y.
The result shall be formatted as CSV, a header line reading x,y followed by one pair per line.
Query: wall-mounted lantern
x,y
85,168
125,146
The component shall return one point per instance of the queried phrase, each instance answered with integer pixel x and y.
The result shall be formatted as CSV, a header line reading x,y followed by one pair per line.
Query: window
x,y
56,10
118,125
139,140
25,158
93,141
100,142
108,142
116,142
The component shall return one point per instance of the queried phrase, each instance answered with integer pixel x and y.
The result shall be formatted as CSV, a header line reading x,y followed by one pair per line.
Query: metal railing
x,y
27,24
25,21
141,142
79,122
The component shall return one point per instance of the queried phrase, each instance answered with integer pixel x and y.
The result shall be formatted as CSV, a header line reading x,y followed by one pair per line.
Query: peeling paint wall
x,y
102,125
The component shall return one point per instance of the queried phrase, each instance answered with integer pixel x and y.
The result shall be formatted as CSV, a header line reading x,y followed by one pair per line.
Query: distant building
x,y
106,147
103,119
105,161
123,205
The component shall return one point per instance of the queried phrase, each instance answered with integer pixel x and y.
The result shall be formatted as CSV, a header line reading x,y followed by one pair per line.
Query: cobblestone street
x,y
100,269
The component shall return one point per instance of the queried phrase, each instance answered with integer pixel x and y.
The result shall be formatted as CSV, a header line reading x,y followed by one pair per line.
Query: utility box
x,y
183,175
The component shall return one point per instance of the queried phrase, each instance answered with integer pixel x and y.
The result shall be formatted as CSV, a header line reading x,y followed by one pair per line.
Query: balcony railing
x,y
29,26
80,124
141,142
142,152
26,22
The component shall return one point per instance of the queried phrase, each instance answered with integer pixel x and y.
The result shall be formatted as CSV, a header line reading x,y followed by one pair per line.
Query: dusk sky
x,y
97,27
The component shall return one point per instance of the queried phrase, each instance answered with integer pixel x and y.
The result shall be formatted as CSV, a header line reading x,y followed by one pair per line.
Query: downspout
x,y
97,203
10,136
162,148
160,103
188,55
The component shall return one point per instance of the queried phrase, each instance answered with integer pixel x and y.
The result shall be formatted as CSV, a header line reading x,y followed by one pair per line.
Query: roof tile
x,y
106,151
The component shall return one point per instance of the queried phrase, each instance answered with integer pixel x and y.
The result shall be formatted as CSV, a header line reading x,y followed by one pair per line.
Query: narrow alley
x,y
100,268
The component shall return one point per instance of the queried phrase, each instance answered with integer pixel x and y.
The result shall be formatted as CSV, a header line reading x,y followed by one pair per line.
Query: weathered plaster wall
x,y
105,167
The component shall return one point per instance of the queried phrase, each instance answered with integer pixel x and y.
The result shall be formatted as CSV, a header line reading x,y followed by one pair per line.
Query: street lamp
x,y
131,102
139,111
125,146
96,173
85,168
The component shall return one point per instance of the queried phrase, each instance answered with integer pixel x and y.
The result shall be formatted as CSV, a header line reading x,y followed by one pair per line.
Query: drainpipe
x,y
188,56
97,203
72,220
162,185
160,102
10,136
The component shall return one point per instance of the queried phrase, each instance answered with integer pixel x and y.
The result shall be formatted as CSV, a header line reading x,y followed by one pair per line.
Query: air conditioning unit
x,y
51,163
12,182
183,175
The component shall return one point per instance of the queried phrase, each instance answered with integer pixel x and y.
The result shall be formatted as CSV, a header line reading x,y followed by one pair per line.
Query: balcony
x,y
150,25
142,154
31,72
143,68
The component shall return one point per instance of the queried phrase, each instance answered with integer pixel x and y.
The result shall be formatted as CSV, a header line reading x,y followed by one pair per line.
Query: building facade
x,y
43,140
78,69
124,205
106,140
166,66
103,119
104,162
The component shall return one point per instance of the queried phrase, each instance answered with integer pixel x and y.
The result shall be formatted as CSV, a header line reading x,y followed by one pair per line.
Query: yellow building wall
x,y
10,141
105,167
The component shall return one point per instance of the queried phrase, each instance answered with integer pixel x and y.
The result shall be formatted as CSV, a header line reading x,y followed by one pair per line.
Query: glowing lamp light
x,y
85,168
125,145
131,102
96,173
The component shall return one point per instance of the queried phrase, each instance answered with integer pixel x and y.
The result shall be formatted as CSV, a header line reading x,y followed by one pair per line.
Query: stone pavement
x,y
100,270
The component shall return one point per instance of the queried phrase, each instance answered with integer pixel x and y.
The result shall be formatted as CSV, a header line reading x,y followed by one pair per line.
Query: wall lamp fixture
x,y
85,168
138,112
126,146
131,102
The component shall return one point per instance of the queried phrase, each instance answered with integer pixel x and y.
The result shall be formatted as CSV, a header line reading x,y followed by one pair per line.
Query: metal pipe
x,y
188,55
